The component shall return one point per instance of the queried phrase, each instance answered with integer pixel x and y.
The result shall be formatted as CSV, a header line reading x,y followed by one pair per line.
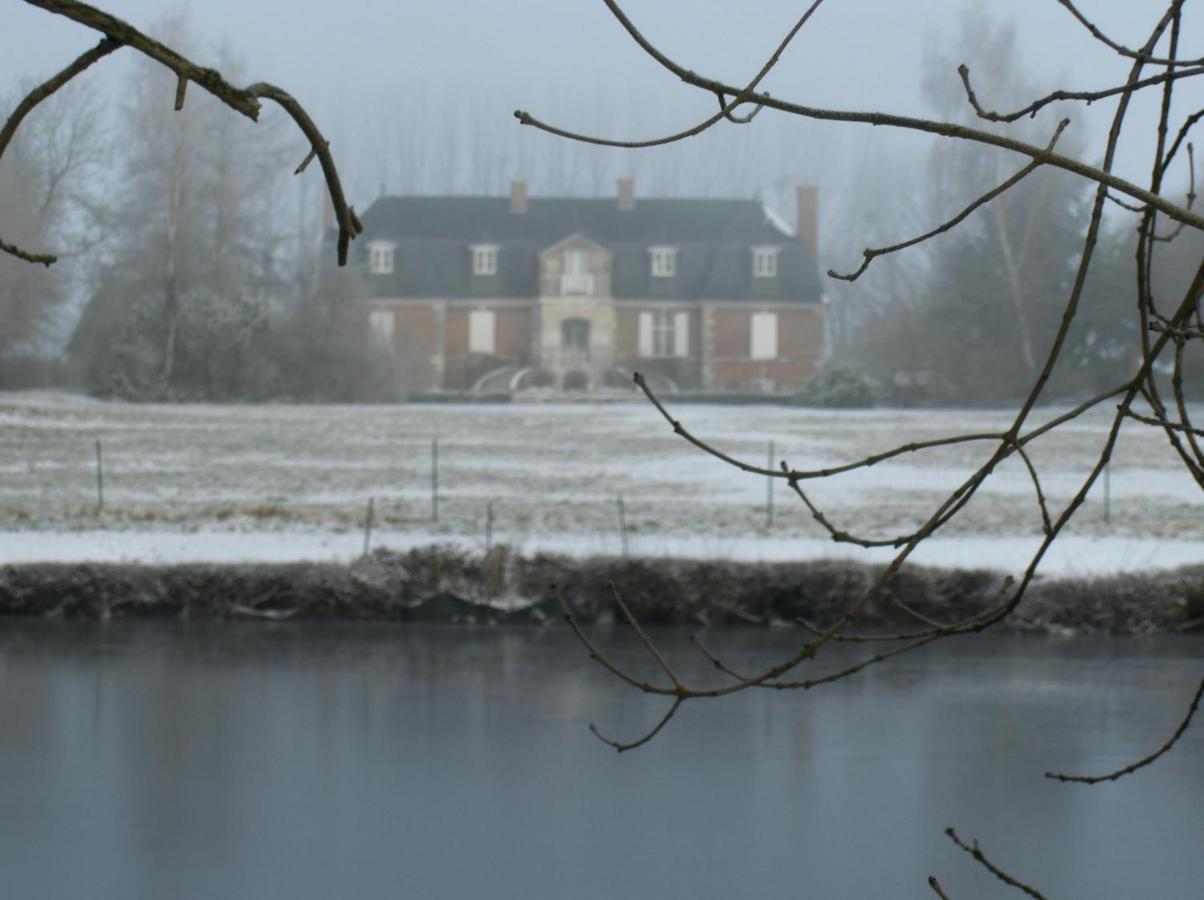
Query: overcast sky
x,y
855,54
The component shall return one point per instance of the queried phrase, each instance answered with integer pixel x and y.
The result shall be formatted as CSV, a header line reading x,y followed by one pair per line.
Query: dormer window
x,y
663,261
484,259
380,257
577,279
765,261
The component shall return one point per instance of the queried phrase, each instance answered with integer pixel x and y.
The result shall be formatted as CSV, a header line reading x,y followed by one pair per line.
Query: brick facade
x,y
584,292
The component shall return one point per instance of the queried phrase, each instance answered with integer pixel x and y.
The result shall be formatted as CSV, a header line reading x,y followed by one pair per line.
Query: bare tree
x,y
245,101
193,264
1167,309
43,186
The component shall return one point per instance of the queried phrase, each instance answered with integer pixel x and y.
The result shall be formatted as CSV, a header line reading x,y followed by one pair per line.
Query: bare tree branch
x,y
1099,175
1145,55
981,859
242,100
1145,760
1062,96
42,92
936,887
870,254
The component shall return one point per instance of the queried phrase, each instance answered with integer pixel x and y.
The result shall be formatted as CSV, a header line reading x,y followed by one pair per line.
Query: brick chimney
x,y
518,197
808,218
626,193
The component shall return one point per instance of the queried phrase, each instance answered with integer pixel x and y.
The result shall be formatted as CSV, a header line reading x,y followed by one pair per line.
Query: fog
x,y
352,63
419,98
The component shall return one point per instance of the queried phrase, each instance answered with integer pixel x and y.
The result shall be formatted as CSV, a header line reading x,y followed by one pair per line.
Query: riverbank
x,y
445,584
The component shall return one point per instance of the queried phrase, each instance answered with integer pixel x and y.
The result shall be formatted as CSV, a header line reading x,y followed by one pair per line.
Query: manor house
x,y
503,293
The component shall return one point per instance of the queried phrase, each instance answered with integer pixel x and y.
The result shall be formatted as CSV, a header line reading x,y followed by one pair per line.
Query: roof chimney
x,y
626,193
808,218
518,197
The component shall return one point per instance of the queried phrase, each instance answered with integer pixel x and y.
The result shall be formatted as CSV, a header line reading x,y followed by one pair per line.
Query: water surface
x,y
153,760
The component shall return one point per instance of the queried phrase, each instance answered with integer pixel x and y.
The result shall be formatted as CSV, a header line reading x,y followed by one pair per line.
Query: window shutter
x,y
645,336
763,336
381,323
480,331
681,334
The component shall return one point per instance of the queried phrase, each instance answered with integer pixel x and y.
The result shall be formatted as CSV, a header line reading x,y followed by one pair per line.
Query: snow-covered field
x,y
199,482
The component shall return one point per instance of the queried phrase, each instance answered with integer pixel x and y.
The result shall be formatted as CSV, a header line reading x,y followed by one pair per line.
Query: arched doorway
x,y
574,341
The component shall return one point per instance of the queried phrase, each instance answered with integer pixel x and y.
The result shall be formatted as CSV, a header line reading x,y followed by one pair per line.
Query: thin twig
x,y
804,474
982,860
1144,55
594,653
1032,472
936,887
1145,760
644,639
1124,204
242,100
1184,130
732,117
740,96
40,93
1100,175
1059,96
622,747
1149,420
1191,194
869,254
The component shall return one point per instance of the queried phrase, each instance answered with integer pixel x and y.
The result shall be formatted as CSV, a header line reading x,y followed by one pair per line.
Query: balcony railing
x,y
577,285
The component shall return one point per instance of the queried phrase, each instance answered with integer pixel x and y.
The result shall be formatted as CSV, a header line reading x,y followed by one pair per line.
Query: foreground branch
x,y
911,123
1145,760
981,859
245,101
39,94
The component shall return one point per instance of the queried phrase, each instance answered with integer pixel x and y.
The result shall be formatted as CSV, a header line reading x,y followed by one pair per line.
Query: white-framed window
x,y
380,257
765,261
681,334
577,279
664,333
763,335
484,259
381,323
482,325
662,261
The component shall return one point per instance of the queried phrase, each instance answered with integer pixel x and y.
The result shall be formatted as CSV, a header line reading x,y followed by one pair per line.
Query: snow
x,y
284,483
1071,556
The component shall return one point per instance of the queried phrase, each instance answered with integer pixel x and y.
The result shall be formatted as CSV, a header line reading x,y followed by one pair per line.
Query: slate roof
x,y
713,240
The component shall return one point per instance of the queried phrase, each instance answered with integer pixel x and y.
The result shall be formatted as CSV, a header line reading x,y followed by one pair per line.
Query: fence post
x,y
769,491
488,527
622,525
1108,492
100,480
368,527
434,479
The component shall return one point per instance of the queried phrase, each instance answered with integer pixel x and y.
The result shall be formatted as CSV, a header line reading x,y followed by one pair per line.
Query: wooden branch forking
x,y
246,101
1160,334
1101,175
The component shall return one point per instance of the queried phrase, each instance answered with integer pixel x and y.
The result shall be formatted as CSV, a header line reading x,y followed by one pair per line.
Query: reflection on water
x,y
205,761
